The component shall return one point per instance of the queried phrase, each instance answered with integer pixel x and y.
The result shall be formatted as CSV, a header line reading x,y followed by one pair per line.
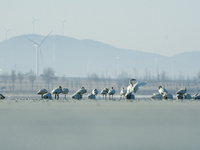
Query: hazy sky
x,y
166,27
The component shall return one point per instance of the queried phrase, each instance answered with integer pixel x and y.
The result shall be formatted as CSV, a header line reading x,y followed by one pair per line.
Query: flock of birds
x,y
124,93
180,94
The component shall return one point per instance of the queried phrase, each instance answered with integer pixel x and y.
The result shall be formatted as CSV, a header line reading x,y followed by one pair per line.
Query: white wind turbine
x,y
38,48
34,24
6,32
63,22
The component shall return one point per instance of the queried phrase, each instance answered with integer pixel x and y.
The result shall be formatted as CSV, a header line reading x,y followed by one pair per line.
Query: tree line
x,y
93,80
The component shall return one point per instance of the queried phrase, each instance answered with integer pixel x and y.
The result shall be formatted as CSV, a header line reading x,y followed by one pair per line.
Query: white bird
x,y
122,93
47,96
76,96
162,90
167,96
42,92
79,94
130,87
1,96
95,92
134,87
181,91
104,92
187,96
91,96
157,96
111,92
129,96
57,91
196,96
81,91
179,96
65,91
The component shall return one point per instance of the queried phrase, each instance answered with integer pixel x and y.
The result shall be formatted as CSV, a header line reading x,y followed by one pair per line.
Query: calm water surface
x,y
88,124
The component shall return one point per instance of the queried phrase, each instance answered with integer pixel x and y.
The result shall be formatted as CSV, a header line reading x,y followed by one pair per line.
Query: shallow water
x,y
99,124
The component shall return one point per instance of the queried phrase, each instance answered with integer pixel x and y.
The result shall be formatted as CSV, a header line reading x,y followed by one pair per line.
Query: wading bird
x,y
47,96
156,96
104,92
42,92
181,91
95,92
65,91
164,93
76,96
122,93
162,90
57,91
133,87
79,94
111,92
1,96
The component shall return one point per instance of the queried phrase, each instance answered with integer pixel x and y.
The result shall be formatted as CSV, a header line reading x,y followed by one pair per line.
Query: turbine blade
x,y
63,21
41,57
45,38
34,18
32,41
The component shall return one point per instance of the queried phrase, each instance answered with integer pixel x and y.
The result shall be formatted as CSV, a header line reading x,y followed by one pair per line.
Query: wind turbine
x,y
62,26
6,32
53,54
34,24
117,65
1,65
38,48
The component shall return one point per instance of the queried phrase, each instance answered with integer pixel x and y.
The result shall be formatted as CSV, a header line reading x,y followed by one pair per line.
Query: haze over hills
x,y
76,58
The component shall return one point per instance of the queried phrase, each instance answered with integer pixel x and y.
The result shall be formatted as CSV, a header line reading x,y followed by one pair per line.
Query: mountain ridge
x,y
77,58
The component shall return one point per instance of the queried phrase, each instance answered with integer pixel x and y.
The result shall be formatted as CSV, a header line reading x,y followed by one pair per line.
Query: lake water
x,y
99,124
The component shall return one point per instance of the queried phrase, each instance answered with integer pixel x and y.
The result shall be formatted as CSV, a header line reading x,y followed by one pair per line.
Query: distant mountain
x,y
77,58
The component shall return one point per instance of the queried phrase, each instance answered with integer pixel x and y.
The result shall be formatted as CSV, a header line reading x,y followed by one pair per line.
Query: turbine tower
x,y
34,24
117,65
6,32
1,66
63,24
38,52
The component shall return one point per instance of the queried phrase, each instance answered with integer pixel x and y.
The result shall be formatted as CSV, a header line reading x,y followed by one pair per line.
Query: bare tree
x,y
5,78
54,79
122,80
198,76
48,76
20,78
13,78
181,79
72,83
147,74
109,80
63,79
102,79
76,82
95,78
163,77
157,76
89,81
32,77
188,82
